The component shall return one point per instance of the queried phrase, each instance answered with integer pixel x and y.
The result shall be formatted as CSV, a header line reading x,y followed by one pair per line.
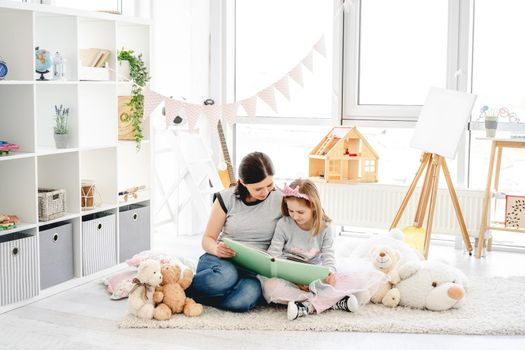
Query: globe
x,y
43,61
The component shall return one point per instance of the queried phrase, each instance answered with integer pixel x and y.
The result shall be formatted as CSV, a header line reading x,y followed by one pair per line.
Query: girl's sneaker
x,y
348,303
297,309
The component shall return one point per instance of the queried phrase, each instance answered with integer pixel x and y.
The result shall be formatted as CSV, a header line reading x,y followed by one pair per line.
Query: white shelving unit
x,y
94,153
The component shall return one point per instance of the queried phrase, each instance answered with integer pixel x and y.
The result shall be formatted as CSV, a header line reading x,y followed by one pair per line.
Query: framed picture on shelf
x,y
515,211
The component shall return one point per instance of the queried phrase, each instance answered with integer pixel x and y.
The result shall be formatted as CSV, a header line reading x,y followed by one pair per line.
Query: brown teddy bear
x,y
170,297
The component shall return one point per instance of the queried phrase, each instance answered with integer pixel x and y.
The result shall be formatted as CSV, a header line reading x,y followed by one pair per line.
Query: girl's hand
x,y
330,279
303,287
223,251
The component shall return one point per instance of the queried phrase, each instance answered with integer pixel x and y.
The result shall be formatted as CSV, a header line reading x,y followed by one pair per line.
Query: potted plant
x,y
60,128
139,77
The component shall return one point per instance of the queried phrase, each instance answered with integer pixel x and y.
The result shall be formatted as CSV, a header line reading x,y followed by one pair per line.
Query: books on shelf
x,y
261,262
94,57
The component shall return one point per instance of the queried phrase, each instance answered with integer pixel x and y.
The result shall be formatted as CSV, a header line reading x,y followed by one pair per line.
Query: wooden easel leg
x,y
457,208
423,197
424,160
499,151
433,193
486,201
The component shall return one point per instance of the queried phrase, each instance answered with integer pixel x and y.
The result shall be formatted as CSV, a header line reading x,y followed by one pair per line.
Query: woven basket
x,y
51,204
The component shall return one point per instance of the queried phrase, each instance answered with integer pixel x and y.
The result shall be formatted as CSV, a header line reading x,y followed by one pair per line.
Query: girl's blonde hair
x,y
308,188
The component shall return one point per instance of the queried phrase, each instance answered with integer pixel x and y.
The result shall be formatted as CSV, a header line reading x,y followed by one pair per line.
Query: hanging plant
x,y
139,76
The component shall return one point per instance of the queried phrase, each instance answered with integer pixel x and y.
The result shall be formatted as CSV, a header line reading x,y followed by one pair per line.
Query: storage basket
x,y
19,273
99,242
56,254
51,204
134,230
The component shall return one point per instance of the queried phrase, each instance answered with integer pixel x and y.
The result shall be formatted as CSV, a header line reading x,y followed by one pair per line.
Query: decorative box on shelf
x,y
51,203
93,73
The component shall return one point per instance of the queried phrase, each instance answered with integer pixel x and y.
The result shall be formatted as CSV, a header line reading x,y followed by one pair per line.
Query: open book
x,y
264,264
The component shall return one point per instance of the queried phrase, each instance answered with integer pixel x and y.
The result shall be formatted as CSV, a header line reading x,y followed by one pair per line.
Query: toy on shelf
x,y
8,222
131,192
6,147
343,155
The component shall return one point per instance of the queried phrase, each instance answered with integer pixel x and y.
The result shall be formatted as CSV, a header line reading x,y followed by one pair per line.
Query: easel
x,y
432,163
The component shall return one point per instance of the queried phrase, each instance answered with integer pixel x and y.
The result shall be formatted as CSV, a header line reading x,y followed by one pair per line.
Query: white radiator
x,y
375,206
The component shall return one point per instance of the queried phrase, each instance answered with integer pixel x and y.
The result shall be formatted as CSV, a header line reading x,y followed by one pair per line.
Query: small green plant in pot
x,y
139,76
61,132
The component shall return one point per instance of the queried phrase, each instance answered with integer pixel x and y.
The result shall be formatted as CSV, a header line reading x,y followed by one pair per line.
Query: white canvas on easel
x,y
439,129
442,122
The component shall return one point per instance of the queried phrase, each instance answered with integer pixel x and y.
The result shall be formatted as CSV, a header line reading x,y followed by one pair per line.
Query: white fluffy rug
x,y
494,306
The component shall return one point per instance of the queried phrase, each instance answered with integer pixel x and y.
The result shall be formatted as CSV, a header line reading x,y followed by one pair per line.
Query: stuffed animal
x,y
392,239
140,302
385,259
431,285
170,297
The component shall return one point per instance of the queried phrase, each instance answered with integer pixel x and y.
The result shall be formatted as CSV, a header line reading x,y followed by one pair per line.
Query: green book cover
x,y
264,264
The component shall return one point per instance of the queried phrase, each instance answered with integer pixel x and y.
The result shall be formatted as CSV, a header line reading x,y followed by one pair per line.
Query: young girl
x,y
304,233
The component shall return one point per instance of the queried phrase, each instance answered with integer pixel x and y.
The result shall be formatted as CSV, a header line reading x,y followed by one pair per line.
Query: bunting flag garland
x,y
212,112
268,96
297,75
151,101
283,87
308,61
250,105
173,108
228,111
193,113
320,47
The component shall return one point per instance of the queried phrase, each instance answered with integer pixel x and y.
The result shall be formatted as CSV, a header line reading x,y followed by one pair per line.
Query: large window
x,y
271,38
403,50
498,72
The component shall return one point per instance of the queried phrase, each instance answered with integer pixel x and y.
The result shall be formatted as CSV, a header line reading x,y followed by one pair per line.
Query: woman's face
x,y
260,190
301,213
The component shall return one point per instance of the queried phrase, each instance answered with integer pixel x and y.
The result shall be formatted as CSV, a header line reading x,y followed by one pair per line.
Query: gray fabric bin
x,y
134,230
18,267
99,248
56,254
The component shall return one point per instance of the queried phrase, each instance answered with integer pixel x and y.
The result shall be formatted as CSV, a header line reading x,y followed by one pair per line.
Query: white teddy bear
x,y
385,259
140,302
431,285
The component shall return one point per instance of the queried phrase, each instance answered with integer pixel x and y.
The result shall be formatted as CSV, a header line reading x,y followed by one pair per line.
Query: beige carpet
x,y
494,306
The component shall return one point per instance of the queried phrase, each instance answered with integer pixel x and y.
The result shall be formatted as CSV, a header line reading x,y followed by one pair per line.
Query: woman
x,y
246,213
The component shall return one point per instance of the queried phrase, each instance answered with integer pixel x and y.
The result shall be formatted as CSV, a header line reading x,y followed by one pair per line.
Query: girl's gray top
x,y
292,242
250,223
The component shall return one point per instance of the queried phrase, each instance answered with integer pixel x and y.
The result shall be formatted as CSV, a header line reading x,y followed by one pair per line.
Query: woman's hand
x,y
303,287
223,251
330,279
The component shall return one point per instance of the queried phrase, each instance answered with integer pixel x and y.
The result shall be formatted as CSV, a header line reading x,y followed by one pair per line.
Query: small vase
x,y
61,140
491,125
123,70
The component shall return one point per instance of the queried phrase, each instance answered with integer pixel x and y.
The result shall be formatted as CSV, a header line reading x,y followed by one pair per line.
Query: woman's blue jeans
x,y
222,284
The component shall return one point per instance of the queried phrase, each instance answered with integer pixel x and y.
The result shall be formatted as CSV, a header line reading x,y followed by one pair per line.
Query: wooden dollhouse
x,y
343,155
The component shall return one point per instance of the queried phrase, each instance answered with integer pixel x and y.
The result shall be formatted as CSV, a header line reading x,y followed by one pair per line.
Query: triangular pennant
x,y
212,112
308,61
320,46
250,105
151,101
268,96
297,74
173,108
193,113
283,87
229,112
